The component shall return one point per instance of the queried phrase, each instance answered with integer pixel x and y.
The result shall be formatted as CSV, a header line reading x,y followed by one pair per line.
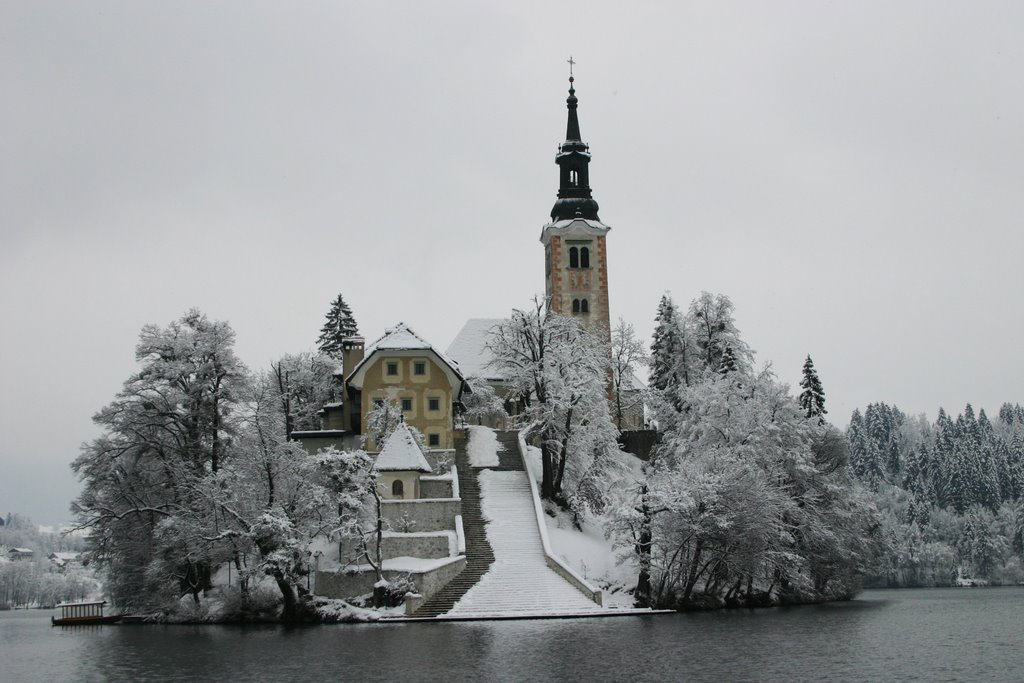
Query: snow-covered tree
x,y
742,504
812,398
670,350
628,356
945,491
482,402
710,323
165,431
381,420
728,362
303,383
560,372
339,323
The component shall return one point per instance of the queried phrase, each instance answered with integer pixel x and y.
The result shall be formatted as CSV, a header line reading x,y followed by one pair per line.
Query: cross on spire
x,y
571,65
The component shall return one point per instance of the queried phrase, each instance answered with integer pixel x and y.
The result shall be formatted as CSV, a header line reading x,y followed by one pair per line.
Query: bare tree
x,y
628,355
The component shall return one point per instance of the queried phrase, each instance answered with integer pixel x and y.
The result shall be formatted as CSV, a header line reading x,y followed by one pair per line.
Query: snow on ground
x,y
519,581
591,555
533,462
338,611
483,447
587,551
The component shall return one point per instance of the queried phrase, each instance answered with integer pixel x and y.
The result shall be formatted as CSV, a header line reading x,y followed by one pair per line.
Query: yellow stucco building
x,y
401,367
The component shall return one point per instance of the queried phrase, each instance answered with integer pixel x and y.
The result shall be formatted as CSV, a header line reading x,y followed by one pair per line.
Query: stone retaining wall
x,y
346,585
435,488
421,515
416,546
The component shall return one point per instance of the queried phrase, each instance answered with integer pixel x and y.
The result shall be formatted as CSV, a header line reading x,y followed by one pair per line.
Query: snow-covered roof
x,y
402,338
573,226
61,559
469,348
64,556
401,452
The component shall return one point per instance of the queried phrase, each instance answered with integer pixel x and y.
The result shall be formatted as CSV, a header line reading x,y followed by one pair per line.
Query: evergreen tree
x,y
668,351
863,457
728,363
339,323
812,398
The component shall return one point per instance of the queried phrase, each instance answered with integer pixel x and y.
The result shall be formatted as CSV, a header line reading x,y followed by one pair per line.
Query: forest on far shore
x,y
949,493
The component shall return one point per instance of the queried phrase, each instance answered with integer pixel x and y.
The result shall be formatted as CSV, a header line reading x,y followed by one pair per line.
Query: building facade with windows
x,y
404,369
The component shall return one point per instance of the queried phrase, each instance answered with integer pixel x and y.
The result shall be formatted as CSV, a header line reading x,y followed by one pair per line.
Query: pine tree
x,y
668,350
812,398
340,323
728,364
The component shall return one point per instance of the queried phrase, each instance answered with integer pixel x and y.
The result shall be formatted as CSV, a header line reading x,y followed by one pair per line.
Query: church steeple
x,y
575,245
574,196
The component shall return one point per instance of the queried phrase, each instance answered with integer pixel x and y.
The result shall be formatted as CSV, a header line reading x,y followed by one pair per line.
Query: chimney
x,y
352,349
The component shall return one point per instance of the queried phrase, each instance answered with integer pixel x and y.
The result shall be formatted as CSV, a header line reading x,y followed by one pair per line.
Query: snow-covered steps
x,y
478,550
519,581
508,451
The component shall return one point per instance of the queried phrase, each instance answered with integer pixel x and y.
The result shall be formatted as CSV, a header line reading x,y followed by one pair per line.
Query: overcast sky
x,y
849,174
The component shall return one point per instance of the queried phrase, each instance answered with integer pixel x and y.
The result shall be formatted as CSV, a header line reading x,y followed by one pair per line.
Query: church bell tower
x,y
575,256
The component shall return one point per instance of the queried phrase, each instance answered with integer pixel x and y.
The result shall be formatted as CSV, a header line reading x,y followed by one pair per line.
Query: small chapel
x,y
427,470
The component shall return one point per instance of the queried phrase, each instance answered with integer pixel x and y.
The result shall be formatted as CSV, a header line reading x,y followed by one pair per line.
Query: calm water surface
x,y
898,635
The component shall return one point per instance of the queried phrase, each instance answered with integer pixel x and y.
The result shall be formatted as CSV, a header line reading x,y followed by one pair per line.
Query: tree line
x,y
950,492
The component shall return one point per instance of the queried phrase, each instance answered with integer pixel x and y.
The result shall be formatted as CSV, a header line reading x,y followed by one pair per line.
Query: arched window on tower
x,y
398,489
575,305
573,178
574,257
584,306
584,257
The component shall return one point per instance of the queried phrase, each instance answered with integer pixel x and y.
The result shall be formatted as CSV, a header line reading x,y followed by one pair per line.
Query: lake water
x,y
893,635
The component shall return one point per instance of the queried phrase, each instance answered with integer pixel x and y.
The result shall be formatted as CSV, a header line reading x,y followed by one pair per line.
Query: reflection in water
x,y
928,635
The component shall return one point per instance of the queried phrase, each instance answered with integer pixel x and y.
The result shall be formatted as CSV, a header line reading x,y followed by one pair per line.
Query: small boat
x,y
83,614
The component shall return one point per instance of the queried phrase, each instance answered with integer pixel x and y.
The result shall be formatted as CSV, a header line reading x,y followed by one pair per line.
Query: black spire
x,y
573,159
572,128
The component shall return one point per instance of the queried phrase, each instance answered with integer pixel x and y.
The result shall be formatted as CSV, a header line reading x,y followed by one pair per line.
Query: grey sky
x,y
848,173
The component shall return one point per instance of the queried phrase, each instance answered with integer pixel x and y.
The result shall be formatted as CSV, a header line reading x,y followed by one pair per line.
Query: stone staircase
x,y
479,555
519,582
511,577
508,457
